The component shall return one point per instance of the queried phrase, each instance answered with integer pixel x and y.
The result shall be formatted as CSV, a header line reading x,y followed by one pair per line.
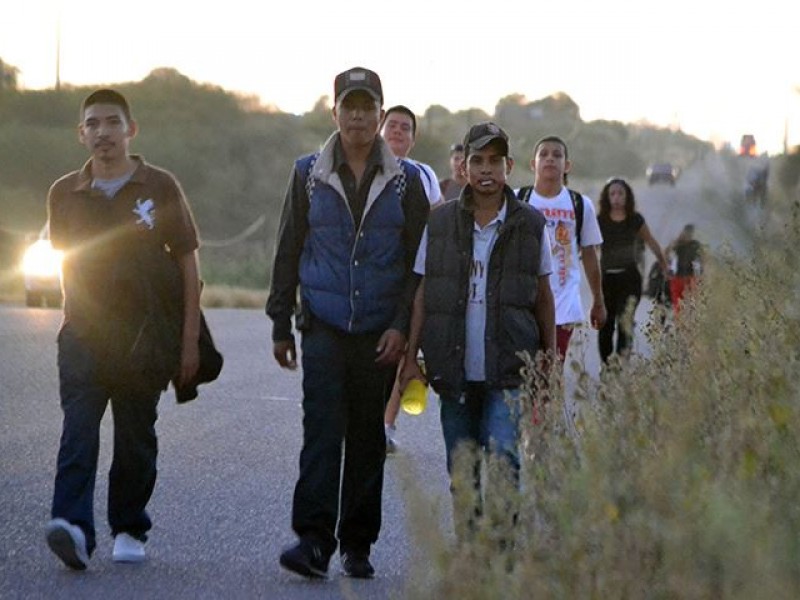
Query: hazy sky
x,y
717,69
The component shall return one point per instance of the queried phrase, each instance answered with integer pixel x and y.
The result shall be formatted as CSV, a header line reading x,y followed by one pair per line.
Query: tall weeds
x,y
680,475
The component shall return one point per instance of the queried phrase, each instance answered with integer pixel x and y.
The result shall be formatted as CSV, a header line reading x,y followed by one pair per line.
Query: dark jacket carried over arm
x,y
157,349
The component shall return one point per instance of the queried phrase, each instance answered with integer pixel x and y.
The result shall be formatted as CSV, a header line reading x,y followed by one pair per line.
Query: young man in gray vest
x,y
484,298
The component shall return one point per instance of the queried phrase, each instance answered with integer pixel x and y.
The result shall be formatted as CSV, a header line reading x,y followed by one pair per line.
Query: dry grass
x,y
681,477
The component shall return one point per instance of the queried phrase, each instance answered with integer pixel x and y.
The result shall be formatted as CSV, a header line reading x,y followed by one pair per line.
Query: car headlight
x,y
41,260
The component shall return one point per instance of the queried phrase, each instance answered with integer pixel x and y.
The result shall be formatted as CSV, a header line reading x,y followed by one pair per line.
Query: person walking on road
x,y
399,130
484,298
621,227
574,238
351,223
127,234
451,186
688,265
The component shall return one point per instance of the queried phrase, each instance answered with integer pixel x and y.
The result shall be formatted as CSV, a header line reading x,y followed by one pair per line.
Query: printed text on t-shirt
x,y
476,273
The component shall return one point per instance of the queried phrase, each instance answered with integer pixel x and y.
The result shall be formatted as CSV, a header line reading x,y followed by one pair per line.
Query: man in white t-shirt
x,y
551,165
399,130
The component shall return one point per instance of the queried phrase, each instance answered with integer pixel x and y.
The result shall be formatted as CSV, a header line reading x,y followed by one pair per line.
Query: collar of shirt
x,y
497,221
85,178
374,159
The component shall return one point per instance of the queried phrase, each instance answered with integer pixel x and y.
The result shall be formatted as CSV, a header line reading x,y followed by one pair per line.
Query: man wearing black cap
x,y
351,223
484,298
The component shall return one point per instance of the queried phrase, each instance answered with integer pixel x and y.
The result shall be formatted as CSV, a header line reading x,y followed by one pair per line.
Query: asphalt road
x,y
228,460
227,467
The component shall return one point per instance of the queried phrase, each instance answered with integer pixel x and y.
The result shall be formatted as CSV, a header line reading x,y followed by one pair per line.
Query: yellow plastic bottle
x,y
415,396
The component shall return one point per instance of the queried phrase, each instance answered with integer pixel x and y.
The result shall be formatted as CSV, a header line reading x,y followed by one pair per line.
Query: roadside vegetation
x,y
679,476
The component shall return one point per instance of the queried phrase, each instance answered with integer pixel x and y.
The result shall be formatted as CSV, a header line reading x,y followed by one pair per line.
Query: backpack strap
x,y
577,206
424,172
524,195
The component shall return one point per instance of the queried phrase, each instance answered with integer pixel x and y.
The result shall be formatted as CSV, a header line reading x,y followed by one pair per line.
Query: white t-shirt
x,y
565,279
483,240
110,187
429,181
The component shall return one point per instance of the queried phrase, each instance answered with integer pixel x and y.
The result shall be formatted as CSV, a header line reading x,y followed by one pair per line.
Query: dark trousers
x,y
133,468
619,289
344,444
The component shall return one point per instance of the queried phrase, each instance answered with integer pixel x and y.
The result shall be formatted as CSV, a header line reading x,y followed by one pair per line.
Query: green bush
x,y
680,477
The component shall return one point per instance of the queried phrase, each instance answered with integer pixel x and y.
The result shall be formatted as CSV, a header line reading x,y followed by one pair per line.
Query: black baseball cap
x,y
481,134
358,78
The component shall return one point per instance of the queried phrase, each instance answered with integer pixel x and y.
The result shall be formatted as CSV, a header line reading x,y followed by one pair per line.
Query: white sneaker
x,y
127,549
68,543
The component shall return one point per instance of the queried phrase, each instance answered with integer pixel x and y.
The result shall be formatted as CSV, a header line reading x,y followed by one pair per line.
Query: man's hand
x,y
591,267
285,353
409,371
190,363
598,315
390,348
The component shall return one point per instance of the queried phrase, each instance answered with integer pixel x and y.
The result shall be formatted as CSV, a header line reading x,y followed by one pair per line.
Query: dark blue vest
x,y
352,275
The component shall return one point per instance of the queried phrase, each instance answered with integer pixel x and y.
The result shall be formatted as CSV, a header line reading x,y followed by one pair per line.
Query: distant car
x,y
662,173
41,270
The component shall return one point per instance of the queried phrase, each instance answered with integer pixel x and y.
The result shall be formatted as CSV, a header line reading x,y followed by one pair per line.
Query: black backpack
x,y
524,195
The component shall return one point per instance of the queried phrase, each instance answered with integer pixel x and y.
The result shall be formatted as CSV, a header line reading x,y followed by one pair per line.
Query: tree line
x,y
233,155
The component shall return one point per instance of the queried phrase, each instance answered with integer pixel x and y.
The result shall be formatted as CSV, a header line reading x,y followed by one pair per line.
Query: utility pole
x,y
58,50
786,136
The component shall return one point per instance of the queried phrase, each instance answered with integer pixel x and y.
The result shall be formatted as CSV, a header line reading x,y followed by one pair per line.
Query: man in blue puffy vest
x,y
352,219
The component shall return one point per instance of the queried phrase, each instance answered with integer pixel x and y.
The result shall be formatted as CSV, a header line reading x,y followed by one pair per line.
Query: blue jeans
x,y
133,468
343,404
487,418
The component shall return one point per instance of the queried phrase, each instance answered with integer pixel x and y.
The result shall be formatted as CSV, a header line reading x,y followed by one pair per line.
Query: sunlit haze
x,y
716,70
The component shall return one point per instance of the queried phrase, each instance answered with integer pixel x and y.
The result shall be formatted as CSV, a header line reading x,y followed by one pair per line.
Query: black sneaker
x,y
357,565
306,558
68,542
